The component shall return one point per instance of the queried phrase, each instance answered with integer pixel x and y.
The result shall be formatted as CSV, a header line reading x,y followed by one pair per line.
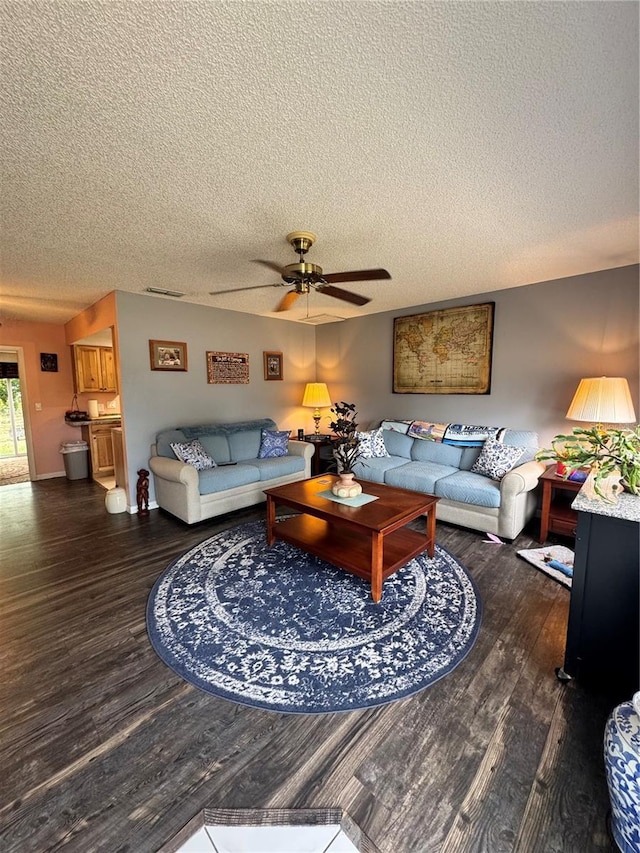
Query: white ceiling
x,y
463,146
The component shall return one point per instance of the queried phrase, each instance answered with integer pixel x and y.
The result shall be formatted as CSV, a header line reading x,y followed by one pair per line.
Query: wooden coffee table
x,y
371,540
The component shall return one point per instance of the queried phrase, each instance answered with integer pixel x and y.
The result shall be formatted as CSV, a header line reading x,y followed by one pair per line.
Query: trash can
x,y
76,459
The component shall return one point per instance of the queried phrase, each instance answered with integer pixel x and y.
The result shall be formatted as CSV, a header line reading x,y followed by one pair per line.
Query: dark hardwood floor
x,y
104,748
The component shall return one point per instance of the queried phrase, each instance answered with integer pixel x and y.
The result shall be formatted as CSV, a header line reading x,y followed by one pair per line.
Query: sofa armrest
x,y
301,448
174,470
524,478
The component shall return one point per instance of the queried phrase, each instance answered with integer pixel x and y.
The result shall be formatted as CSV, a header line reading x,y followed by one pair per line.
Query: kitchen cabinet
x,y
94,369
98,437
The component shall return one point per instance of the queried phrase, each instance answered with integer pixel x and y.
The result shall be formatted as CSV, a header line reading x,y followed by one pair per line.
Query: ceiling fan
x,y
302,277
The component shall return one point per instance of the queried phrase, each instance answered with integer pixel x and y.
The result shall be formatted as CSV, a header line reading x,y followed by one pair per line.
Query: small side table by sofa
x,y
318,441
556,515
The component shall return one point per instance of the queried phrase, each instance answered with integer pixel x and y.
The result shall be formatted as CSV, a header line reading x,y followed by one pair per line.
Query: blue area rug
x,y
279,629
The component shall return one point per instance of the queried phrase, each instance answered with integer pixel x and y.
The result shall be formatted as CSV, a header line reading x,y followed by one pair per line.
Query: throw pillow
x,y
371,444
273,443
193,453
496,459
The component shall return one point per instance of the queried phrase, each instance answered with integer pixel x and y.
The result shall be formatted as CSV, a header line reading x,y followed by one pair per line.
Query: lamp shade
x,y
602,400
316,394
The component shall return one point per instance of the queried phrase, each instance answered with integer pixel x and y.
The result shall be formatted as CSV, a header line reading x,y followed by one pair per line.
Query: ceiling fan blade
x,y
271,264
287,300
239,289
356,275
339,293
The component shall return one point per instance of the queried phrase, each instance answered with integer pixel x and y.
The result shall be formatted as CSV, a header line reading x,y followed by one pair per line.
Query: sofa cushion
x,y
397,443
521,438
273,443
244,445
371,444
216,446
465,487
418,476
277,466
496,459
469,456
375,468
226,477
432,451
193,453
164,440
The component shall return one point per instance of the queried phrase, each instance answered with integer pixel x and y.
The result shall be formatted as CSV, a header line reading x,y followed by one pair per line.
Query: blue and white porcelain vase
x,y
622,764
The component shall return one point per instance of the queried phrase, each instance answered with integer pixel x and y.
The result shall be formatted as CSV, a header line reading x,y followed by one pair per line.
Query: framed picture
x,y
168,355
273,365
444,352
49,362
227,368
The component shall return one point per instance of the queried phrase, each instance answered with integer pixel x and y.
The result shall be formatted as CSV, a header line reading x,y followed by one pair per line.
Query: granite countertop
x,y
115,420
627,506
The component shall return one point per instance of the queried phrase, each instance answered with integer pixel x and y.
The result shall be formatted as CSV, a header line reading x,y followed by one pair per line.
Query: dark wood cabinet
x,y
603,632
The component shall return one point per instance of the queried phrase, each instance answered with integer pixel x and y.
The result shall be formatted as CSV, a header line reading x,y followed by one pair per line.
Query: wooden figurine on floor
x,y
142,492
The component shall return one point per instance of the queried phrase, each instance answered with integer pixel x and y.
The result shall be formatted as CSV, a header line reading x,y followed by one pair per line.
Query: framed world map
x,y
444,352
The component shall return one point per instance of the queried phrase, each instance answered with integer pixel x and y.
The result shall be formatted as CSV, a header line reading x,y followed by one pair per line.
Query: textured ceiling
x,y
465,147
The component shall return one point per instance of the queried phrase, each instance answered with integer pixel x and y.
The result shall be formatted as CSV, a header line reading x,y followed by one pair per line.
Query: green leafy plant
x,y
345,444
605,451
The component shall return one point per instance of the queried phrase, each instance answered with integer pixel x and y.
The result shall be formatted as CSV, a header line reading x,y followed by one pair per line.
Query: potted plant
x,y
345,447
607,452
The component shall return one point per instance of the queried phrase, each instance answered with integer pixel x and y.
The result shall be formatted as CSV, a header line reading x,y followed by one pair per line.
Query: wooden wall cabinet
x,y
94,369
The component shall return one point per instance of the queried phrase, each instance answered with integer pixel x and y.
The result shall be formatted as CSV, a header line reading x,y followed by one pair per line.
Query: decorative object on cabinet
x,y
316,396
168,355
227,368
273,366
49,362
444,352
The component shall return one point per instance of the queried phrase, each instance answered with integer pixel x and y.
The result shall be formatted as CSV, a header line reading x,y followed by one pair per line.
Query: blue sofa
x,y
502,507
194,495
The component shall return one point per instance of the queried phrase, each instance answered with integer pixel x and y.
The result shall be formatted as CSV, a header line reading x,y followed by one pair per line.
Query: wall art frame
x,y
447,351
227,368
49,362
273,366
168,355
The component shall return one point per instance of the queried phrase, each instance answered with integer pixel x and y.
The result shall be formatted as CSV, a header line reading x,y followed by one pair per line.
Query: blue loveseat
x,y
194,495
469,499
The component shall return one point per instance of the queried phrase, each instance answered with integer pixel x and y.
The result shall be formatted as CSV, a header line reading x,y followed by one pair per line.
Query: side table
x,y
318,441
556,515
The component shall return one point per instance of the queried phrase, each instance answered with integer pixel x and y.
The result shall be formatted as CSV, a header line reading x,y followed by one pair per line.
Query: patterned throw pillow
x,y
371,444
193,453
273,443
496,459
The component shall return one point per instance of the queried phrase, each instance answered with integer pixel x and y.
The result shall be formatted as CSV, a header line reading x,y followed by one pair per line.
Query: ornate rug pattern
x,y
282,630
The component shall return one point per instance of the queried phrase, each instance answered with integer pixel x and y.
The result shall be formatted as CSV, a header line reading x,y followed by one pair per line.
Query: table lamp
x,y
602,400
316,394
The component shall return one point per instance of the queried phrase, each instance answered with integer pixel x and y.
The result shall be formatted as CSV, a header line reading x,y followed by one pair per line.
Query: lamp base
x,y
316,418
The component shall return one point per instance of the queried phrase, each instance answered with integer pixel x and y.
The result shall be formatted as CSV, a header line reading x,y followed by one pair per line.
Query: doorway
x,y
14,458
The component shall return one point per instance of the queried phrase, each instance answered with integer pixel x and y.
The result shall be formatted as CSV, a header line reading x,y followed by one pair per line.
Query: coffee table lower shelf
x,y
349,548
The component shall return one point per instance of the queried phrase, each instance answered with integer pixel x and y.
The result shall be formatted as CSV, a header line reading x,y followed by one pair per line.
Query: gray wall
x,y
155,400
547,336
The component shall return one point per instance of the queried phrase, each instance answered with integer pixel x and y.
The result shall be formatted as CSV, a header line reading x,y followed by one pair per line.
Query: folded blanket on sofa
x,y
227,429
469,436
461,435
